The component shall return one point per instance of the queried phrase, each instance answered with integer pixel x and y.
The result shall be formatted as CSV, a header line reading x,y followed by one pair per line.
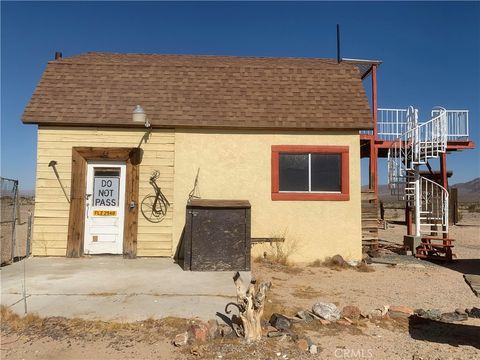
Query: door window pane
x,y
106,183
326,172
293,172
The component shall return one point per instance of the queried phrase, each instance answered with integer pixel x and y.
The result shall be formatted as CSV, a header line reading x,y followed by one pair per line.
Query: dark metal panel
x,y
217,238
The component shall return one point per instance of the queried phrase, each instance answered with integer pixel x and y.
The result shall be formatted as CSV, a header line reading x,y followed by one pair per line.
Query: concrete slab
x,y
113,288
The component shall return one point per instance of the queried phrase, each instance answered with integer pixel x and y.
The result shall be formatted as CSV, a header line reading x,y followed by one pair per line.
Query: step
x,y
436,238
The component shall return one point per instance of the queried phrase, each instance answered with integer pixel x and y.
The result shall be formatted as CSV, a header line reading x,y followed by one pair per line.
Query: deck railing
x,y
457,124
392,123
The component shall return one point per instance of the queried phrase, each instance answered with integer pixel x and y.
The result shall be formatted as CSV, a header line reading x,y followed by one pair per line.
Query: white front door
x,y
105,207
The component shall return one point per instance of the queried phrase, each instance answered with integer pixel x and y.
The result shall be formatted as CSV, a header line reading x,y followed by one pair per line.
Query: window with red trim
x,y
310,172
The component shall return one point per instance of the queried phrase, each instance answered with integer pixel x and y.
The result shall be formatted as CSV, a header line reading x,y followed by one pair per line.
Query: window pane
x,y
326,172
293,169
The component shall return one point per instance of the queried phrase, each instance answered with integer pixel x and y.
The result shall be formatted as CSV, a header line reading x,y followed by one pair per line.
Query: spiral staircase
x,y
419,143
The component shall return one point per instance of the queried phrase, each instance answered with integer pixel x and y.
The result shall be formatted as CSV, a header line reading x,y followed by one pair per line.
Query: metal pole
x,y
338,44
417,200
53,165
15,190
29,235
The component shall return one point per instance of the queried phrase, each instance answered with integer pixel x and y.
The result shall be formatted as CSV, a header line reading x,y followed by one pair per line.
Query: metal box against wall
x,y
217,235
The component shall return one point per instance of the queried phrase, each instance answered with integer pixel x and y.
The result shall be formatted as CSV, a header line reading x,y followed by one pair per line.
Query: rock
x,y
379,313
338,260
474,312
199,332
302,345
268,329
433,314
327,311
400,311
181,339
212,329
460,311
353,263
313,349
419,312
280,322
343,322
453,316
275,334
225,330
352,312
304,315
309,341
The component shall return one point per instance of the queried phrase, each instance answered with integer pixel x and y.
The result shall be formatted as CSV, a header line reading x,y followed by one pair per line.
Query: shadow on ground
x,y
453,334
464,266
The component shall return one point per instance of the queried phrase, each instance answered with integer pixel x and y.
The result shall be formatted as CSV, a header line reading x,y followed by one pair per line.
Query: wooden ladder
x,y
369,220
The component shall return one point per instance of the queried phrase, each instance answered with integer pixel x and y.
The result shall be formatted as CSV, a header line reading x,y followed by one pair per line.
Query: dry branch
x,y
250,302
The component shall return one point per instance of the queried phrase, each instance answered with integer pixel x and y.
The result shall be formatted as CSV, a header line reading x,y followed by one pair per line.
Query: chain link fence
x,y
12,247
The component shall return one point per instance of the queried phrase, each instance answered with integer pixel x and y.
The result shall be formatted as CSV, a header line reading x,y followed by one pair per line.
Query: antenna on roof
x,y
338,44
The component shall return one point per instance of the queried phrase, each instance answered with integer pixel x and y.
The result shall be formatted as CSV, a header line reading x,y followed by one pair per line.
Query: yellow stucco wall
x,y
237,165
51,208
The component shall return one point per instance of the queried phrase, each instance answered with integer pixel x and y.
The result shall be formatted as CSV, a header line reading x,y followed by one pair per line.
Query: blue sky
x,y
431,51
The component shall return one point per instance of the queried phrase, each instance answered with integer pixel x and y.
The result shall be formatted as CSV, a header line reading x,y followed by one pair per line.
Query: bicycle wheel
x,y
151,213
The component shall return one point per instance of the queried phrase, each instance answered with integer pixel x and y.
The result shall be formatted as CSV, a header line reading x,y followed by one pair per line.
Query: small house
x,y
125,140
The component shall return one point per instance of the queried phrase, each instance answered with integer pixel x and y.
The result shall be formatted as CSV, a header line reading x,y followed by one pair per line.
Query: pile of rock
x,y
449,317
326,313
200,332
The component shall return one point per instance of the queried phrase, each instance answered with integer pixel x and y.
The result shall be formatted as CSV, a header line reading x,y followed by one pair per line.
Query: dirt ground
x,y
294,288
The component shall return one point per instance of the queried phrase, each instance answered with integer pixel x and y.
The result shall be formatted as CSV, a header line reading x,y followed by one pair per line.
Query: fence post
x,y
14,223
29,235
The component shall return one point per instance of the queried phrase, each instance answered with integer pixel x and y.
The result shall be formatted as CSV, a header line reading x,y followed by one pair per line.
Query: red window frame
x,y
343,195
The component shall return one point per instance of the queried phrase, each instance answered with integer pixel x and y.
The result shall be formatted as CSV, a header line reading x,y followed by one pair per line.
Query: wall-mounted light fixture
x,y
139,116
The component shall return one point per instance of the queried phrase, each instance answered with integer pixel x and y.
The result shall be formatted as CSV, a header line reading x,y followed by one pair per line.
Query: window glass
x,y
106,183
326,172
293,172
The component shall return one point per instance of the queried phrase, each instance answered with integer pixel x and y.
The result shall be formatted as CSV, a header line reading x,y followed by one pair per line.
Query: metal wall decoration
x,y
154,206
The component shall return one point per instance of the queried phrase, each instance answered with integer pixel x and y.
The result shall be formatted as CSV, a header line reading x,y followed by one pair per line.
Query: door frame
x,y
76,219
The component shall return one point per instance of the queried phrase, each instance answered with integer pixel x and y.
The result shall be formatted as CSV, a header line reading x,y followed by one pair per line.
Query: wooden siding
x,y
51,207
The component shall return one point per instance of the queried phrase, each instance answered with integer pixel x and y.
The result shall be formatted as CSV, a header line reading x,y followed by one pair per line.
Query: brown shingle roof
x,y
200,91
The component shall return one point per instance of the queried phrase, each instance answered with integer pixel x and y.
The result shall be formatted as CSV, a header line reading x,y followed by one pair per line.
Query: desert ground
x,y
414,285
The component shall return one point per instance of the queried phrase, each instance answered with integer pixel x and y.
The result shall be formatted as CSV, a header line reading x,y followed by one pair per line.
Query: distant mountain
x,y
469,191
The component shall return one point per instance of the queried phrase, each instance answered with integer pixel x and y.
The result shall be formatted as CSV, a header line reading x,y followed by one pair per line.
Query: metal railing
x,y
433,208
420,142
416,145
457,124
392,123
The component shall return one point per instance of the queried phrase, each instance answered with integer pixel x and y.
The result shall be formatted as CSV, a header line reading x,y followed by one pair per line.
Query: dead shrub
x,y
280,252
333,264
316,263
363,267
57,327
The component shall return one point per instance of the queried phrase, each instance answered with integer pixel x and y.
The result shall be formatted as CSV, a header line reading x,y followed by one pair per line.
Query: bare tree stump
x,y
250,303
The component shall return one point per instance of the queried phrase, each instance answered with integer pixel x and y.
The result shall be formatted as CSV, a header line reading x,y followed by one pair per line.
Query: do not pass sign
x,y
106,191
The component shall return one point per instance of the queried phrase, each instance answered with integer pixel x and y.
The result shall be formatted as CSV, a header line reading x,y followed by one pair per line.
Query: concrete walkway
x,y
113,288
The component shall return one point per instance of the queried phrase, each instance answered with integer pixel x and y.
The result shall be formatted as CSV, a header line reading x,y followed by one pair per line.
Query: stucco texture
x,y
237,165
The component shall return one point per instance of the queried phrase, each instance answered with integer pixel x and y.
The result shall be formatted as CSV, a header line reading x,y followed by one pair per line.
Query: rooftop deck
x,y
392,123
